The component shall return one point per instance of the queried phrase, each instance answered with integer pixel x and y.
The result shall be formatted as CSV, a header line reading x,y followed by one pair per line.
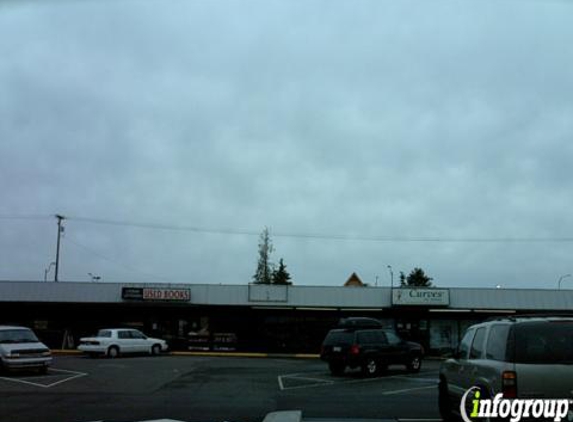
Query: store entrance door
x,y
413,329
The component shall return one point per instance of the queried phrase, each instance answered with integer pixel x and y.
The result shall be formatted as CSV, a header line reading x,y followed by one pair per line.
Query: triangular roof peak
x,y
354,281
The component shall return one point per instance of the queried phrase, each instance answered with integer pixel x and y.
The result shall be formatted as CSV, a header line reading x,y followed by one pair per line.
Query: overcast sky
x,y
366,119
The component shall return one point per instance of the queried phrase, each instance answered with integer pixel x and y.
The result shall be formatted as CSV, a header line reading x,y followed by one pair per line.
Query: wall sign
x,y
155,294
420,296
132,293
268,293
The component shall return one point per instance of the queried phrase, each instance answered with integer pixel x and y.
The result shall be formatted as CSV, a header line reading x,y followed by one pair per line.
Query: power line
x,y
26,217
322,236
316,236
168,227
106,258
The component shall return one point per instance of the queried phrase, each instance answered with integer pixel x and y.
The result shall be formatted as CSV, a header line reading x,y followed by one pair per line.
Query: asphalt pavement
x,y
205,389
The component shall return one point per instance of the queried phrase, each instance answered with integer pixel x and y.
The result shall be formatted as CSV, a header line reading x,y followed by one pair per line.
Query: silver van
x,y
21,349
523,357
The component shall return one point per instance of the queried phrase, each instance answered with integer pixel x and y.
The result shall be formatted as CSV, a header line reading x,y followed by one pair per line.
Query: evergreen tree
x,y
281,275
263,275
417,278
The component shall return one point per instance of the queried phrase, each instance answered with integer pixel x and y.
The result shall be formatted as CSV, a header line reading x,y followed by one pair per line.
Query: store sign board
x,y
132,293
155,294
180,295
420,297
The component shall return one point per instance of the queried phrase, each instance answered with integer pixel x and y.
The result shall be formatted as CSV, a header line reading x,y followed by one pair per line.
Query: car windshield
x,y
544,343
17,336
103,333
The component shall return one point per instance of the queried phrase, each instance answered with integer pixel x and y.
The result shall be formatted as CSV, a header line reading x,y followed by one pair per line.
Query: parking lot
x,y
210,389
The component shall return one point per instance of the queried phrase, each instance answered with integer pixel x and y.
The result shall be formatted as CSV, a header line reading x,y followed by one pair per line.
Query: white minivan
x,y
21,349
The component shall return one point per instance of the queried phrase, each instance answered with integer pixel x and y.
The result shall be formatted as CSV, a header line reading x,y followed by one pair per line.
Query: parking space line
x,y
317,382
417,379
420,375
361,381
406,390
297,387
310,379
36,384
79,375
65,370
23,382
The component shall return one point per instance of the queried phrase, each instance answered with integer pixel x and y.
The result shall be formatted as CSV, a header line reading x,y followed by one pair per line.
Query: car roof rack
x,y
359,322
517,316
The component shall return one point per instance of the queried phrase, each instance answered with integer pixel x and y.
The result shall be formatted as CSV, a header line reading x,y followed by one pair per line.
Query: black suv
x,y
371,348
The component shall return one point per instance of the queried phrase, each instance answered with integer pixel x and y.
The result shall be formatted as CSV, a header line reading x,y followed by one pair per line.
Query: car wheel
x,y
415,364
370,367
156,350
113,352
336,368
445,402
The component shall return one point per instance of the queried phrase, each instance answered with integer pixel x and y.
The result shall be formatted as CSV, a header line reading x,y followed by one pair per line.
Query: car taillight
x,y
354,349
509,384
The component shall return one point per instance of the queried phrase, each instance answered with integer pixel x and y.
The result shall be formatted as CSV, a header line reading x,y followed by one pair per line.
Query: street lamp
x,y
47,270
561,278
391,276
95,278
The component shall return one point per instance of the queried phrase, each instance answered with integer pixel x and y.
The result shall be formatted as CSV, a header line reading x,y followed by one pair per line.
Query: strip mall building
x,y
261,318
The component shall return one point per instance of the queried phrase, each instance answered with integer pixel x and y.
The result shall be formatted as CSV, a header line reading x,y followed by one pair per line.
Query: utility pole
x,y
60,230
391,276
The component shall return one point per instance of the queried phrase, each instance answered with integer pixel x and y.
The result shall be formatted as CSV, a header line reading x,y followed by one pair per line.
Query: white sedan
x,y
116,341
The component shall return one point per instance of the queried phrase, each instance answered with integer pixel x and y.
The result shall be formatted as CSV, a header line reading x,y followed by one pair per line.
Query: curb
x,y
249,355
60,352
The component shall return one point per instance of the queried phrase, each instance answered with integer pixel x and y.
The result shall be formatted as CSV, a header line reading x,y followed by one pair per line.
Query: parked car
x,y
115,341
369,348
519,356
21,349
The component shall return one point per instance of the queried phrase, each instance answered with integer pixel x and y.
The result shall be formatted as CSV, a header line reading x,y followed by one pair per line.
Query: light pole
x,y
95,278
47,270
391,277
561,278
60,230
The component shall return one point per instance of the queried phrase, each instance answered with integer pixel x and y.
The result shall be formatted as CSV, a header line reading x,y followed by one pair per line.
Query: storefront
x,y
276,319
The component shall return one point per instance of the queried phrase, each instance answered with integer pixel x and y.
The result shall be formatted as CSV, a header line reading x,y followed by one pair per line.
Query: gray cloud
x,y
368,118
